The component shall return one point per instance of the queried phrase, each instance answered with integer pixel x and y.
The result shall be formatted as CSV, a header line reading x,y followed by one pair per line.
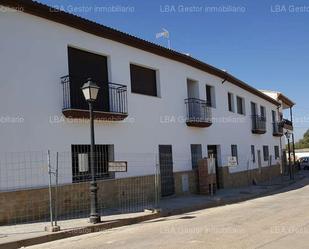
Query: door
x,y
253,109
275,126
84,65
263,111
212,151
259,160
253,114
196,154
166,170
273,114
194,109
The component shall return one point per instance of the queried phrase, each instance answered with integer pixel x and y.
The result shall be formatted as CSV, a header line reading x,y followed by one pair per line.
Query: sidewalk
x,y
16,236
178,205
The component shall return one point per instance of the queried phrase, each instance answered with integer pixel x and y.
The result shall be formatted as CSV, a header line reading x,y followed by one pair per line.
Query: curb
x,y
129,221
77,231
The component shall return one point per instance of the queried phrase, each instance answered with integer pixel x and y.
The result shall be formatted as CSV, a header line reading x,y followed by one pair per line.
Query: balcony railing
x,y
258,124
110,105
278,129
287,124
198,113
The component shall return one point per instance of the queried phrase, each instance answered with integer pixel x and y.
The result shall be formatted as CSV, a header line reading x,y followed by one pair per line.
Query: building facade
x,y
153,102
285,127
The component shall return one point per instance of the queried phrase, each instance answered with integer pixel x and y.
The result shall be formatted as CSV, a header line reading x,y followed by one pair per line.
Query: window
x,y
234,151
263,112
273,115
196,154
81,170
143,80
240,105
266,153
253,153
231,102
210,96
276,149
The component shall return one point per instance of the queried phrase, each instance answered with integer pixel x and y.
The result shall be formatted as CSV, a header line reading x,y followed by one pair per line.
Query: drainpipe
x,y
280,142
293,143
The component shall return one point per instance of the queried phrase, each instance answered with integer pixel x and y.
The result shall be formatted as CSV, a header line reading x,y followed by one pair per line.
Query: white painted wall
x,y
34,57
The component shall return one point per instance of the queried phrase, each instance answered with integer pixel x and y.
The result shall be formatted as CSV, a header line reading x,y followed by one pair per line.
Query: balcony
x,y
111,104
198,113
277,129
287,124
258,124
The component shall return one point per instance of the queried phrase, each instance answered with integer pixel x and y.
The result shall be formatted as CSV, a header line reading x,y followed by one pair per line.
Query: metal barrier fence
x,y
44,186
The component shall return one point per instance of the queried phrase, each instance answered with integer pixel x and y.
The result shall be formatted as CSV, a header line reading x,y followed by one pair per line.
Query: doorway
x,y
253,109
84,65
193,99
166,170
259,160
213,151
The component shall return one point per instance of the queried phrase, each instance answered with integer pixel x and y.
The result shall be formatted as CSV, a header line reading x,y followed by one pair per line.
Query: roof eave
x,y
286,100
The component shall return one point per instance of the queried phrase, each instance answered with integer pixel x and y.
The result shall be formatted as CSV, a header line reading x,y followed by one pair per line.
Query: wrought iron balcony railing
x,y
198,113
111,103
287,124
258,124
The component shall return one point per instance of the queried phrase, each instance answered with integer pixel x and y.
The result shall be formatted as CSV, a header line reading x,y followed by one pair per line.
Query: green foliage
x,y
304,142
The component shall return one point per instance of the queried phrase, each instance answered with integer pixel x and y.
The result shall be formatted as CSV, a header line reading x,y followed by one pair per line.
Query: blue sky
x,y
265,43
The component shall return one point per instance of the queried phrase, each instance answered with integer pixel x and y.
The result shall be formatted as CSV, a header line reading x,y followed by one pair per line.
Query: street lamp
x,y
288,136
90,91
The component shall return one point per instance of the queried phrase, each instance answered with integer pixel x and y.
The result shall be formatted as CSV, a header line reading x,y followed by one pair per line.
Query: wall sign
x,y
232,161
83,162
117,166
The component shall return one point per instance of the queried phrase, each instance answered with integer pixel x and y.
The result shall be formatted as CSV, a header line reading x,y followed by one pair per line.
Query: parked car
x,y
303,162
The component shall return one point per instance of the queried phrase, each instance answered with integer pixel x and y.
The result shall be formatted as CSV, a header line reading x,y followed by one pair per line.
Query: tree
x,y
304,142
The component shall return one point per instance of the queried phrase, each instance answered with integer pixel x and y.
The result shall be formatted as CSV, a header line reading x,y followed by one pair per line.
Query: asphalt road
x,y
276,221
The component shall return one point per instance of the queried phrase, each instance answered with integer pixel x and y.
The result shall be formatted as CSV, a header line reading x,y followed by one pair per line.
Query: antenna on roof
x,y
224,70
166,35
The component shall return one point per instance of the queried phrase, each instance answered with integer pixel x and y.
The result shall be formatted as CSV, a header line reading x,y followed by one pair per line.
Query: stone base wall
x,y
73,199
24,205
192,177
244,178
117,194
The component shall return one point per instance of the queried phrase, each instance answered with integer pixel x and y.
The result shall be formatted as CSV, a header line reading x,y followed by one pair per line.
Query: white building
x,y
302,153
160,97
